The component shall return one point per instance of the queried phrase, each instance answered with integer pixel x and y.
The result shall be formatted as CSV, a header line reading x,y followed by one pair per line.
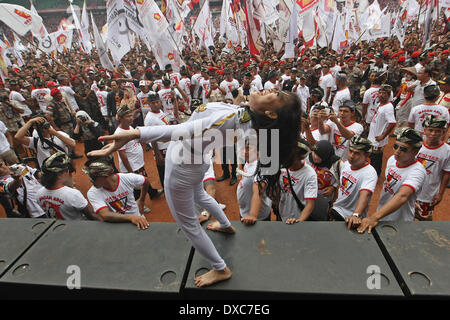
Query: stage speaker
x,y
419,254
272,260
90,259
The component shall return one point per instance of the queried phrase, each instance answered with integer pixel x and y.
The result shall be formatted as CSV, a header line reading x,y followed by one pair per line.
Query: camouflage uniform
x,y
354,82
10,117
62,116
394,77
442,68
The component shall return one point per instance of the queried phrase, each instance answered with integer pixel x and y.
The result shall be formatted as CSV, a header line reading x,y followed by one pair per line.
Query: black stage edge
x,y
272,260
116,261
17,236
419,253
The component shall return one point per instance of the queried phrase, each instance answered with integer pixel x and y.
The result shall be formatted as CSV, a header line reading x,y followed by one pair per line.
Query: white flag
x,y
176,25
63,39
289,51
101,48
42,31
118,40
19,19
85,30
202,26
339,42
157,39
428,26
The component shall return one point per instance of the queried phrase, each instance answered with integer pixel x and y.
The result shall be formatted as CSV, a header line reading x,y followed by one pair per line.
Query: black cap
x,y
348,103
153,97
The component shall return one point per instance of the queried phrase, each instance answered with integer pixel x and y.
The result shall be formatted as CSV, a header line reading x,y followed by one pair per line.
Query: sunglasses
x,y
402,148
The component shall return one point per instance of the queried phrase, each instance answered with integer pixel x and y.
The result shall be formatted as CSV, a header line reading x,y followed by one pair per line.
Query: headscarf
x,y
324,149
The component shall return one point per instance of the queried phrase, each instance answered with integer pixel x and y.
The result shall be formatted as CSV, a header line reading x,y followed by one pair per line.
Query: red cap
x,y
266,62
54,92
431,54
385,53
74,77
305,58
246,64
394,55
415,54
446,51
401,59
221,72
52,84
401,52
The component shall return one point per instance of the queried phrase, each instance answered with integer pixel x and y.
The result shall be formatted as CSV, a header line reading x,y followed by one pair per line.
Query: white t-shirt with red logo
x,y
157,119
412,176
371,99
195,81
229,86
121,199
40,96
204,84
304,183
383,116
101,98
166,100
143,100
436,161
64,203
418,114
185,85
351,184
326,81
133,151
340,144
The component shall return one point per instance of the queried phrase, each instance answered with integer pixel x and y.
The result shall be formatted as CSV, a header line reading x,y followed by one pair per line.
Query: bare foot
x,y
212,277
215,226
202,218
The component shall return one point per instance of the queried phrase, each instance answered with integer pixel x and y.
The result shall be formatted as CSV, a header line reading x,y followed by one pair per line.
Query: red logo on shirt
x,y
390,182
120,205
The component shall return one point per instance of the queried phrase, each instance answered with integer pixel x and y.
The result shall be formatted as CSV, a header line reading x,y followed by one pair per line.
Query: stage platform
x,y
42,259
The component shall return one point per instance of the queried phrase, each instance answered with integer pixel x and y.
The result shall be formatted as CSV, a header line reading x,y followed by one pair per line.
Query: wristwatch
x,y
356,215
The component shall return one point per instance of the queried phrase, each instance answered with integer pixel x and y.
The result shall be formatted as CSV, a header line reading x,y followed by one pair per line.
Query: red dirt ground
x,y
225,193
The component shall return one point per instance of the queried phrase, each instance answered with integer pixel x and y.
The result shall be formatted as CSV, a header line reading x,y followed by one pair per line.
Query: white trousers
x,y
183,185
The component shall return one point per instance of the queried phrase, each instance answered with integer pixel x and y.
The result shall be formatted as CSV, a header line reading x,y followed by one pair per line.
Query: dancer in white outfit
x,y
274,110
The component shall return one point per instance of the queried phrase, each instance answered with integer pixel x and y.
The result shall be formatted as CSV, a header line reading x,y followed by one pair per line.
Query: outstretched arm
x,y
186,130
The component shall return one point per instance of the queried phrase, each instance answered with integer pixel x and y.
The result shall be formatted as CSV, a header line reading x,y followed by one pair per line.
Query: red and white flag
x,y
19,19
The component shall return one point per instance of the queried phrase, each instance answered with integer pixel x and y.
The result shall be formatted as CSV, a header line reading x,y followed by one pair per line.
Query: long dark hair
x,y
289,126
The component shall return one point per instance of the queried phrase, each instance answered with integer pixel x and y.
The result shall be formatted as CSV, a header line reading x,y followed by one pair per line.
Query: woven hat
x,y
360,143
434,122
410,136
58,162
99,168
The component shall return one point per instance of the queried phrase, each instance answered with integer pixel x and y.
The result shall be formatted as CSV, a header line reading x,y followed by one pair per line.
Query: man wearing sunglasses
x,y
405,177
435,157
